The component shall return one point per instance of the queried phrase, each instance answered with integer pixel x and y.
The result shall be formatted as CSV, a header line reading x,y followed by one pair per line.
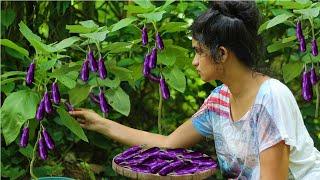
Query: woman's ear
x,y
224,53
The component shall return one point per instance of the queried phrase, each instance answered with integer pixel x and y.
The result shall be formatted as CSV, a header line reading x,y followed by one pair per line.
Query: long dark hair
x,y
234,25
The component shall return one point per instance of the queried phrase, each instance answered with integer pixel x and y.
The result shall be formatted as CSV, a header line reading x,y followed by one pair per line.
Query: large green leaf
x,y
174,27
12,73
7,17
69,79
132,9
291,71
175,78
292,5
79,29
71,124
310,12
152,17
96,81
117,47
170,53
118,100
89,24
34,39
97,36
123,23
278,46
12,45
78,94
66,43
278,19
144,3
17,108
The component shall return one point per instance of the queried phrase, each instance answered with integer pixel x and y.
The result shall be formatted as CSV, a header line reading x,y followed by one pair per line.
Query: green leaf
x,y
118,100
12,73
117,47
27,151
292,5
123,23
12,45
152,17
123,73
170,53
68,80
291,71
66,43
175,78
263,27
144,3
35,40
17,108
71,124
310,12
3,82
47,65
7,17
131,9
278,46
97,36
174,27
289,39
105,82
78,94
7,88
278,19
79,29
89,24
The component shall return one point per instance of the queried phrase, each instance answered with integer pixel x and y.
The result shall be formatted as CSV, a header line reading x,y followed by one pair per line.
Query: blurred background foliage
x,y
54,21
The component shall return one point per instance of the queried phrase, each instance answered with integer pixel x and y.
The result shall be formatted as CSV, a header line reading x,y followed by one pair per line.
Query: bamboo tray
x,y
126,171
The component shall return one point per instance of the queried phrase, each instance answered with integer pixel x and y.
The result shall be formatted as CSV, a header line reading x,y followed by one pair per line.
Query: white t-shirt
x,y
275,116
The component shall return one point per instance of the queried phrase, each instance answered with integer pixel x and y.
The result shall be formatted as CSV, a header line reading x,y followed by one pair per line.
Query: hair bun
x,y
246,11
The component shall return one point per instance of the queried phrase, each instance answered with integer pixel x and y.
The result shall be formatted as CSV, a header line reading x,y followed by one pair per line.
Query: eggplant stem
x,y
34,157
159,111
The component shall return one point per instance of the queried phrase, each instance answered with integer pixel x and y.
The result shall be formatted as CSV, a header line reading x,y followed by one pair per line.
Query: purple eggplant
x,y
153,58
303,47
189,168
131,150
168,169
314,47
150,151
94,98
144,36
299,31
306,86
156,167
193,154
55,93
146,68
140,168
47,103
313,76
102,68
24,137
159,41
92,61
85,71
153,78
164,88
30,73
68,106
42,150
103,102
41,110
47,138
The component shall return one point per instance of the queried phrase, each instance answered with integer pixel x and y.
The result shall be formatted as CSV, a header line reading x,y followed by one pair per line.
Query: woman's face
x,y
204,64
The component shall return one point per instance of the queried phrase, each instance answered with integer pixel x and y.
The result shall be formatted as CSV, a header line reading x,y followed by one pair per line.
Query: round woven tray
x,y
125,171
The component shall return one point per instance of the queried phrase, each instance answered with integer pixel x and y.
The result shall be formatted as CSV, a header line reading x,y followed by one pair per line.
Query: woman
x,y
254,120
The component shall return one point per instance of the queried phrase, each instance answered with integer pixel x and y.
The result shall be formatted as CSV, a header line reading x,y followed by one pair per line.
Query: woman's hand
x,y
87,118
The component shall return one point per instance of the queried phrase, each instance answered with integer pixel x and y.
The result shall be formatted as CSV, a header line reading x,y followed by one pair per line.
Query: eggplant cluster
x,y
302,41
164,162
95,66
309,79
150,62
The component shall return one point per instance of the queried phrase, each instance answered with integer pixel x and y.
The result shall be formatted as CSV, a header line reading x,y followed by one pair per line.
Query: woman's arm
x,y
274,162
184,136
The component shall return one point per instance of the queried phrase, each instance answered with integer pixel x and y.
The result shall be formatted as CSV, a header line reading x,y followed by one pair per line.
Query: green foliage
x,y
58,35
